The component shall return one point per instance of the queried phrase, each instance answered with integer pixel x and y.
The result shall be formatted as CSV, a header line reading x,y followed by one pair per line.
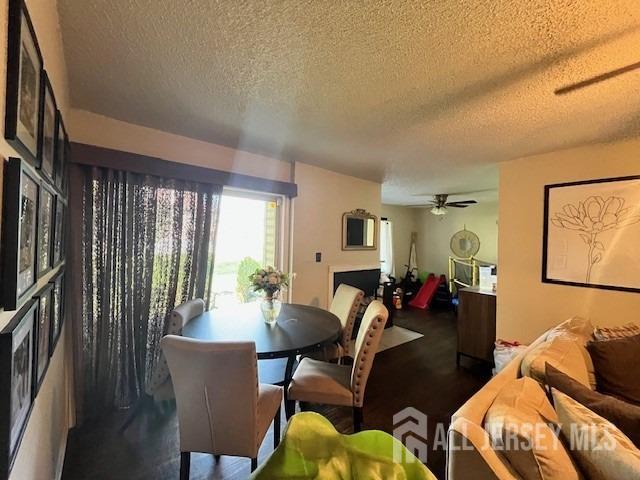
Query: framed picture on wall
x,y
61,150
24,82
42,335
58,233
592,234
46,219
46,142
19,242
16,382
57,312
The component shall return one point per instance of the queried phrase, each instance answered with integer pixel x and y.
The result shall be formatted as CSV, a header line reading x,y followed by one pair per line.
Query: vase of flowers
x,y
270,281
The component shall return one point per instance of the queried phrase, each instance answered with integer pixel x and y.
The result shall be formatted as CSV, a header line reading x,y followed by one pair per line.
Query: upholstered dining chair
x,y
345,305
159,388
222,409
327,383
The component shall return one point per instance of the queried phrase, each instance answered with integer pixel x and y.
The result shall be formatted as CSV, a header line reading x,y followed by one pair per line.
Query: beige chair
x,y
159,388
345,305
327,383
222,409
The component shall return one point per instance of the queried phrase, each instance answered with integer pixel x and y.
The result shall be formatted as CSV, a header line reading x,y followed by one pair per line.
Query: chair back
x,y
216,385
178,318
366,347
345,305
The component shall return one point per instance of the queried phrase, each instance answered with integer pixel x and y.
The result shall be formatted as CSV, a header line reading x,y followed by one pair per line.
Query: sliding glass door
x,y
248,238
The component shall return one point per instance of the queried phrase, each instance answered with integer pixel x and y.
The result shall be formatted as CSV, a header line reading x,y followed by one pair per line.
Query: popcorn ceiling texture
x,y
423,96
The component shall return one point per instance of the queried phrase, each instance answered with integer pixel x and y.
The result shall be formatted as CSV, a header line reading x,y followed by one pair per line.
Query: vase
x,y
270,307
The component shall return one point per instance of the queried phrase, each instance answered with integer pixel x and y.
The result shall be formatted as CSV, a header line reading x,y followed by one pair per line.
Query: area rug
x,y
394,336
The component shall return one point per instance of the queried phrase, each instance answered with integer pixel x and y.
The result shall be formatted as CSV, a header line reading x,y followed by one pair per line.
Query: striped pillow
x,y
611,333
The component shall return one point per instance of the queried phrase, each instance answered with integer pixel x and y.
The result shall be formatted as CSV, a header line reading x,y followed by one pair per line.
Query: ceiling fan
x,y
439,204
597,79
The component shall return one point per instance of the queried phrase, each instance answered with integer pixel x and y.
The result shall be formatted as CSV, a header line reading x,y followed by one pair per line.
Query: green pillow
x,y
311,448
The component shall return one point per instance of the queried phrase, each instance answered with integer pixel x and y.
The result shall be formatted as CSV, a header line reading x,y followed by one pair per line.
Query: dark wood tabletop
x,y
298,329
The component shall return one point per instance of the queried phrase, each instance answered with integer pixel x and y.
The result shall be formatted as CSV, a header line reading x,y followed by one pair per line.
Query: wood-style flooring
x,y
420,374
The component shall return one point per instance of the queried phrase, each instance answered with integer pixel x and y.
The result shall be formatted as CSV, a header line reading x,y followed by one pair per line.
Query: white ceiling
x,y
424,96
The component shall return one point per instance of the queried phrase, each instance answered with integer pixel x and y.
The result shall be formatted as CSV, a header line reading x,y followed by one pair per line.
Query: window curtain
x,y
386,248
147,245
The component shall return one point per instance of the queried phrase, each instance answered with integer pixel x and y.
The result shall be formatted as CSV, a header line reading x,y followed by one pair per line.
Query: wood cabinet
x,y
476,324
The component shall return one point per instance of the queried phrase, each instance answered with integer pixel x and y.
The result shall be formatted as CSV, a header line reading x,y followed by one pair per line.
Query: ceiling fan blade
x,y
596,79
455,205
462,202
427,205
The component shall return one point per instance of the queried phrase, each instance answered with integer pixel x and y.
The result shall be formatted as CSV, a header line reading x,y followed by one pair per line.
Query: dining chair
x,y
345,305
327,383
159,389
222,409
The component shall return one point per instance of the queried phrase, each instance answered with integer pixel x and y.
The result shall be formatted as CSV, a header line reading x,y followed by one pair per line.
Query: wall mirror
x,y
359,230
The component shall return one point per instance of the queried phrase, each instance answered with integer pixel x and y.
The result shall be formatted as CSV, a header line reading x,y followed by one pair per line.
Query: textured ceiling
x,y
424,96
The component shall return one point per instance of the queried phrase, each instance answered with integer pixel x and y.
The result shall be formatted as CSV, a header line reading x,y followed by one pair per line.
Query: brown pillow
x,y
616,364
623,415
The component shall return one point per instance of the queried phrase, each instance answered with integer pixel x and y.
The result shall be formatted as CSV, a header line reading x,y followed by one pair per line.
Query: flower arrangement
x,y
269,280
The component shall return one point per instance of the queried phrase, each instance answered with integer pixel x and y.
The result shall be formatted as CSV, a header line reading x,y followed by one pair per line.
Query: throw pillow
x,y
623,415
563,353
616,364
601,450
519,424
610,333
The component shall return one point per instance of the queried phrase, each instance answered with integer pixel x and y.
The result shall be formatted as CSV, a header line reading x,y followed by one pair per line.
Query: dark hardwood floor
x,y
420,374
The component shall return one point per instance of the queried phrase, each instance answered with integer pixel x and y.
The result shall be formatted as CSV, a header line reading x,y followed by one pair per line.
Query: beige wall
x,y
404,221
526,306
435,232
93,129
41,452
323,197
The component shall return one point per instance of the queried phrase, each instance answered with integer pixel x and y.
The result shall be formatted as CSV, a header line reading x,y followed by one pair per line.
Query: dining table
x,y
299,329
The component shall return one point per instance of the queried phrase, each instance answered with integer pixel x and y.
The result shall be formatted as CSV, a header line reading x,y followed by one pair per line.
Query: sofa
x,y
471,453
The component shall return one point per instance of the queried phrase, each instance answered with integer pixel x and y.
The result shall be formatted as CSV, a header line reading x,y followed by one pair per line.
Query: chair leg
x,y
357,419
185,465
216,458
254,464
276,429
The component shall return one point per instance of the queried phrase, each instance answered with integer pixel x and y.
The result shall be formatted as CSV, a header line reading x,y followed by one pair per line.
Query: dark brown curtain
x,y
146,246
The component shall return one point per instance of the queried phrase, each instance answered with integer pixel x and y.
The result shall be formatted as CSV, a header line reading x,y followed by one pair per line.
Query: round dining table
x,y
298,329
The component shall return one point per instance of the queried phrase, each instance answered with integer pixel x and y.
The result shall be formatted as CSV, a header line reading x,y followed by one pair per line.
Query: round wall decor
x,y
465,243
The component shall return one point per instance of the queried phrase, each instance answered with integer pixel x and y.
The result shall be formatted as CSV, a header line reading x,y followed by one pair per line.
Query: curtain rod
x,y
93,155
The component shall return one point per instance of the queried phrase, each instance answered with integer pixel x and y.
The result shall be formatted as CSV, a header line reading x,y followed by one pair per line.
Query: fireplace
x,y
364,277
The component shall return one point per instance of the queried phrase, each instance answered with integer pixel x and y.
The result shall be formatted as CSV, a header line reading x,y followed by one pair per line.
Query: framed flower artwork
x,y
592,234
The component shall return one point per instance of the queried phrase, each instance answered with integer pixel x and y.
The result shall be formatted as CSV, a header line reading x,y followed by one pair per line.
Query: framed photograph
x,y
42,335
57,312
592,234
58,233
46,220
19,237
46,143
61,150
16,384
24,83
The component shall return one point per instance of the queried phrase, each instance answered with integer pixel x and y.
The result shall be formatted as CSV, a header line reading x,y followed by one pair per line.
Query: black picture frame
x,y
548,222
42,336
20,233
47,138
61,154
16,382
59,240
24,83
46,225
58,310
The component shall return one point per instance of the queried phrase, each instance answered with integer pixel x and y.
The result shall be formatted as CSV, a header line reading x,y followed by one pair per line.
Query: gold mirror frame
x,y
364,215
